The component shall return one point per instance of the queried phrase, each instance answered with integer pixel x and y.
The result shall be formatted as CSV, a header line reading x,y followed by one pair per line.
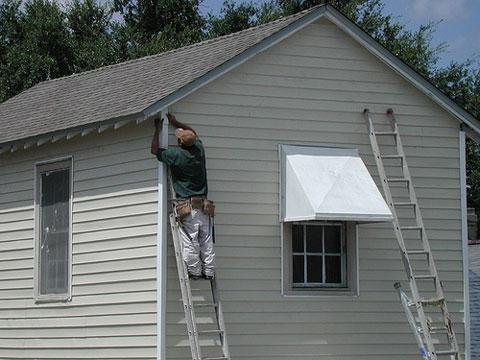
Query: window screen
x,y
318,253
54,229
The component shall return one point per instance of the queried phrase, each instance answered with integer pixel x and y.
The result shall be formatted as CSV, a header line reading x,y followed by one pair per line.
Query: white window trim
x,y
52,297
352,272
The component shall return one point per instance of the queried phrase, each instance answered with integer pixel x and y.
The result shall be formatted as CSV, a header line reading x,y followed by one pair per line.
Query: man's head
x,y
185,137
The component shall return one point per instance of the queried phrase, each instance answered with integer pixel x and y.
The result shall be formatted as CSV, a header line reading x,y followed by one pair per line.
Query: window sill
x,y
64,298
319,292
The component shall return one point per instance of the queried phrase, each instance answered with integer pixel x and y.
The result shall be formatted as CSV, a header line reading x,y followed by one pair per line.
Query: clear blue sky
x,y
459,25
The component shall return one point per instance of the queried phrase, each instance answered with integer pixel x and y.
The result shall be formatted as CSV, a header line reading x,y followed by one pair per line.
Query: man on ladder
x,y
189,178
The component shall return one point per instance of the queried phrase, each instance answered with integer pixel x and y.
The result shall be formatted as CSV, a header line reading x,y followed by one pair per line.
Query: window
x,y
319,258
318,255
53,231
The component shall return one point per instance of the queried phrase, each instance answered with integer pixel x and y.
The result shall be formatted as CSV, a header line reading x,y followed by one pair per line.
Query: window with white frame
x,y
320,258
318,255
53,230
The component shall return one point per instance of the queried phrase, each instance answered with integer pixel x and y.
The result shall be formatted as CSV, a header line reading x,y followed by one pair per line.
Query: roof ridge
x,y
200,43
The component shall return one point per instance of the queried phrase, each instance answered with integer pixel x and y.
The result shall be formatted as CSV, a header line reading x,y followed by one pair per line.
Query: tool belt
x,y
184,207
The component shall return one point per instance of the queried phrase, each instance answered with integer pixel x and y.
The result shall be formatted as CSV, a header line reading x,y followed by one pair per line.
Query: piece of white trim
x,y
103,128
73,134
162,214
28,144
55,138
87,131
463,204
119,124
44,140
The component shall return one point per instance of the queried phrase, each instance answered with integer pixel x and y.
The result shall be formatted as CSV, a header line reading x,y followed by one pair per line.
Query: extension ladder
x,y
419,277
189,305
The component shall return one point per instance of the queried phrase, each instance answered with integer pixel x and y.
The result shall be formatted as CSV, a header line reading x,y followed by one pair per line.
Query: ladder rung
x,y
392,156
398,180
417,252
433,301
446,352
383,133
216,358
424,277
410,228
438,329
216,331
206,305
404,204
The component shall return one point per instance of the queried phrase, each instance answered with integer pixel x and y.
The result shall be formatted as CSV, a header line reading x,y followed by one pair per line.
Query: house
x,y
99,281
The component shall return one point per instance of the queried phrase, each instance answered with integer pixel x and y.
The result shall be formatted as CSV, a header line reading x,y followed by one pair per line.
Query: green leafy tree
x,y
92,44
152,26
35,45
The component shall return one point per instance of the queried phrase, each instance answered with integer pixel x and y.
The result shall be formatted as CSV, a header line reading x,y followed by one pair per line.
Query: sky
x,y
459,23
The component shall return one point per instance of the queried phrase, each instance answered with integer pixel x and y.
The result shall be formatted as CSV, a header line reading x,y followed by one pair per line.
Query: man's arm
x,y
155,139
177,124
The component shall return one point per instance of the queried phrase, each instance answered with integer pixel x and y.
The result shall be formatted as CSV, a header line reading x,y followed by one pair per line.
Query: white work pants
x,y
197,241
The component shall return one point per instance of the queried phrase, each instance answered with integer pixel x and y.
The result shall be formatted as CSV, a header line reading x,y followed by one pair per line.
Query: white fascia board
x,y
235,61
402,68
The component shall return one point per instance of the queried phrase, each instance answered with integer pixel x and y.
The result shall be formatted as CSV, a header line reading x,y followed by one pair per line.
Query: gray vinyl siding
x,y
311,89
112,314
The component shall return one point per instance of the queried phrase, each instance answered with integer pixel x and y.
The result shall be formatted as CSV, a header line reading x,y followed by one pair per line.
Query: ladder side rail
x,y
185,291
406,304
220,318
426,244
418,213
398,233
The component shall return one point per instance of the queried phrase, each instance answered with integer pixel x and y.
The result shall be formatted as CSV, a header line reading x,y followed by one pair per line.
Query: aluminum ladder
x,y
189,305
415,250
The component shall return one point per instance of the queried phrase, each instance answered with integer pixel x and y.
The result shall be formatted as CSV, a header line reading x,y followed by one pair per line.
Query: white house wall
x,y
113,309
311,89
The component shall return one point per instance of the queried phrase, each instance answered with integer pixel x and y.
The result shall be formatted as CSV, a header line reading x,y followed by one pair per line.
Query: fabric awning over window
x,y
328,184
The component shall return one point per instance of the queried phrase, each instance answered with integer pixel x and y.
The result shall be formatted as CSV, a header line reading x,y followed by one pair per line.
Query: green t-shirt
x,y
187,165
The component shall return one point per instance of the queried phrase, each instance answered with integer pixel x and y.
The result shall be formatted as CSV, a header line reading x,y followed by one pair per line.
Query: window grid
x,y
323,254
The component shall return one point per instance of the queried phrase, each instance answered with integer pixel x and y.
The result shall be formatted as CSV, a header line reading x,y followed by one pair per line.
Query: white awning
x,y
328,184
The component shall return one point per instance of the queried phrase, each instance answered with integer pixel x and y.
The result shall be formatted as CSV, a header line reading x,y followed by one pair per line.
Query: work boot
x,y
208,277
194,277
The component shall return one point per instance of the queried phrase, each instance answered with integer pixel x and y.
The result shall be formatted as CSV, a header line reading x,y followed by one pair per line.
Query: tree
x,y
152,26
89,24
35,45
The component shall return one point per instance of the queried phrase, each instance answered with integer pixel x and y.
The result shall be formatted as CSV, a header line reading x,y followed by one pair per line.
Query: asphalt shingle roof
x,y
122,89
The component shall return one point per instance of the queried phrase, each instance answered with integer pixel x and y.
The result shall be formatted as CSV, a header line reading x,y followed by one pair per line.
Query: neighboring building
x,y
93,283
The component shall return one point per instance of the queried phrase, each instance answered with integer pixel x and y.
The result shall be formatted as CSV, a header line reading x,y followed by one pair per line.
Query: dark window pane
x,y
333,242
54,231
333,269
314,238
298,269
314,269
297,238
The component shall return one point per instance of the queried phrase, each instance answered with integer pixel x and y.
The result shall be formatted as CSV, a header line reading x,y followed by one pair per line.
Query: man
x,y
189,177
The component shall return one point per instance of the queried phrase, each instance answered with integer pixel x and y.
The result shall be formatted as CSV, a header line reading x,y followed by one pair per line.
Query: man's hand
x,y
171,118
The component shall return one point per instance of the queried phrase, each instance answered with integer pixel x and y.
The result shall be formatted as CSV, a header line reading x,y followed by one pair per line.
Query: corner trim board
x,y
161,271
